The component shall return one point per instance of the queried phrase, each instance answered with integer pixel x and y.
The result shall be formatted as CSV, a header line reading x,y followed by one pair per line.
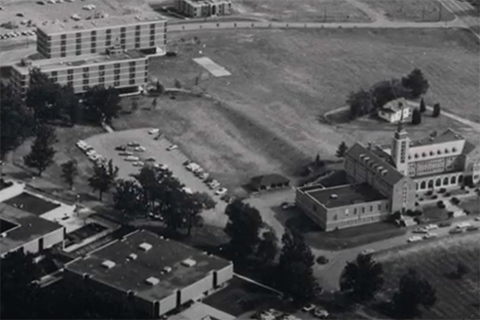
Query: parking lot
x,y
105,144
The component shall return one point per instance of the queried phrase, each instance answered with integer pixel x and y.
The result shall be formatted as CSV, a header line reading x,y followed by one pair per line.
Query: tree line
x,y
364,102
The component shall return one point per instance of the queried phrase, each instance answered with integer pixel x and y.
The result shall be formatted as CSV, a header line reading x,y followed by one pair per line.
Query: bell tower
x,y
400,145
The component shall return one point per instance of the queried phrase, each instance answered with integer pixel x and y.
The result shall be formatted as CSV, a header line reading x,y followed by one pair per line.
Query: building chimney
x,y
370,145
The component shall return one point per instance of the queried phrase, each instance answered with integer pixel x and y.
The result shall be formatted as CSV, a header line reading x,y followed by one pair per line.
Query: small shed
x,y
269,181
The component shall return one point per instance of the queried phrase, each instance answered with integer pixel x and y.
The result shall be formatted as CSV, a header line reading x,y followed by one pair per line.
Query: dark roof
x,y
346,195
268,179
30,227
391,176
468,147
128,274
32,204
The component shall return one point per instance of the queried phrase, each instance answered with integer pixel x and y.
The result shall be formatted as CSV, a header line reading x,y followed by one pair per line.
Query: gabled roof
x,y
391,175
268,179
468,147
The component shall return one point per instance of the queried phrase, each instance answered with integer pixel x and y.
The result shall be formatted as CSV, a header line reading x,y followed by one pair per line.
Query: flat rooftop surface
x,y
92,24
130,274
346,195
32,204
29,227
76,61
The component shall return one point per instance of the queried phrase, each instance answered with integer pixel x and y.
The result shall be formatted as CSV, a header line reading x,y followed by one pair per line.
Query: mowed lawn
x,y
302,10
265,118
456,298
411,10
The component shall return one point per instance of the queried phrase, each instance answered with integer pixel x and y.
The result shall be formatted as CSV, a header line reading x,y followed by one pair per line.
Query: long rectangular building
x,y
203,8
75,38
117,68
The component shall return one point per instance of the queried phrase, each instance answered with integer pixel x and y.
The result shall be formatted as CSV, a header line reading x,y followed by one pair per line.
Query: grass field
x,y
266,120
456,298
472,205
302,10
411,10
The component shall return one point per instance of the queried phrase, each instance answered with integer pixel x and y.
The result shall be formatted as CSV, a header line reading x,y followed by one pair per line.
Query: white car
x,y
214,184
221,191
203,175
198,170
430,235
132,158
192,166
91,152
321,313
51,1
139,149
308,308
431,227
138,164
133,144
161,166
420,230
414,239
153,131
126,153
172,147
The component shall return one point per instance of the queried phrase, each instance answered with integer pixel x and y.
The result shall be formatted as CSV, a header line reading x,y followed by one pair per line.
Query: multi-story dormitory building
x,y
385,179
203,8
108,52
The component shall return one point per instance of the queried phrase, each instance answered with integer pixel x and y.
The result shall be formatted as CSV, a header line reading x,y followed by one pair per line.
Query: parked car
x,y
192,166
472,228
221,191
430,235
153,131
287,205
321,313
420,230
456,230
126,153
431,227
204,175
308,308
161,166
138,164
186,163
444,224
132,158
172,147
139,149
226,198
477,219
133,144
414,239
322,260
151,159
121,148
198,171
213,184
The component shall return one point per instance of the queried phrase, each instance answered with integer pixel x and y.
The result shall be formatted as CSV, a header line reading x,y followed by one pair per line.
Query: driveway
x,y
105,145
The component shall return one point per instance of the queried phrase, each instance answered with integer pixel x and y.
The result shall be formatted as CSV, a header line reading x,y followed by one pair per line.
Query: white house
x,y
392,111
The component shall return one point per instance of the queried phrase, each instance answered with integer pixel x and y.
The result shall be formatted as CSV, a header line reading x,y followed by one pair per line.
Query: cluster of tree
x,y
52,102
363,278
253,243
103,177
42,152
22,298
364,102
160,193
342,149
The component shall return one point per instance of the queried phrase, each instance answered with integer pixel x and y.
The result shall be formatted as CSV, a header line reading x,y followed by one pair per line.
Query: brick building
x,y
386,179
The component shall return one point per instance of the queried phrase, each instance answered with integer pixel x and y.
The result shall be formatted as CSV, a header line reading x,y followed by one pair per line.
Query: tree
x,y
101,104
177,84
154,103
462,269
416,82
423,106
160,88
128,199
69,172
42,152
386,91
103,177
413,292
360,103
267,249
318,162
362,278
294,275
243,228
342,149
416,117
436,110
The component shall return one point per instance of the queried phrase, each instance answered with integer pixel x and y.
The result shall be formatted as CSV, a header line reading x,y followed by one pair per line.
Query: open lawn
x,y
472,205
303,10
436,260
411,10
264,117
51,180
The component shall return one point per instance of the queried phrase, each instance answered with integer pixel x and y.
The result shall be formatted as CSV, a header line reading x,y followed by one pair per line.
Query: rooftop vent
x,y
145,246
152,281
167,269
189,262
380,168
108,264
132,256
333,196
3,235
361,156
384,172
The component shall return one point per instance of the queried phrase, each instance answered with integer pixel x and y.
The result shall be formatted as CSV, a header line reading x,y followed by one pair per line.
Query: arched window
x,y
430,184
424,154
438,182
460,179
423,185
431,153
453,180
445,181
454,149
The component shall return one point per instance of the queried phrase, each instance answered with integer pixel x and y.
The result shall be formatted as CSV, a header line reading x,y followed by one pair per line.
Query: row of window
x,y
439,182
432,153
101,81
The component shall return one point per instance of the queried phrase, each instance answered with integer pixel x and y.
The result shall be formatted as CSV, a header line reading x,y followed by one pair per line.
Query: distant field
x,y
411,10
302,10
283,80
456,298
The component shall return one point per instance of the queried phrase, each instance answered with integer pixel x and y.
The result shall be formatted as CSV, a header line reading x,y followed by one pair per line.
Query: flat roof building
x,y
203,8
75,38
117,68
156,274
21,230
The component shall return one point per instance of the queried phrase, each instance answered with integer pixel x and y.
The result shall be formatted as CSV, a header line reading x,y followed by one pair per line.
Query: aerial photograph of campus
x,y
240,159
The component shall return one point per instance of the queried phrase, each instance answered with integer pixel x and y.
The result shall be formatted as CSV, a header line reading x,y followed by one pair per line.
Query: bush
x,y
455,200
429,193
435,197
417,213
442,190
440,204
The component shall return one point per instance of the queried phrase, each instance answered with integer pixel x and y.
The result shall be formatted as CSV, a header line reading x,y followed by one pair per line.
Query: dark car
x,y
322,260
121,148
171,54
444,224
